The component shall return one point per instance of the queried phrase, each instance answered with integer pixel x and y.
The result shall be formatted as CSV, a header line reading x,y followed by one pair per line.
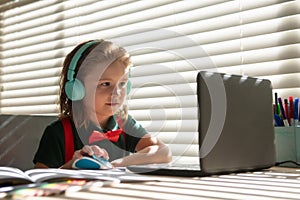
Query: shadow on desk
x,y
274,183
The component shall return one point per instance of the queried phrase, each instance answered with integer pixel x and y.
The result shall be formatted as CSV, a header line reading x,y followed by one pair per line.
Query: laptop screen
x,y
235,122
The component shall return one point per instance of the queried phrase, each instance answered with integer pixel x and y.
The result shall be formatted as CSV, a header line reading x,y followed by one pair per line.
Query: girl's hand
x,y
92,150
86,151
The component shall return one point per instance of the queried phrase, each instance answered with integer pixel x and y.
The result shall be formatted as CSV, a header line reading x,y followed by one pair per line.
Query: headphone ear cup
x,y
128,87
75,90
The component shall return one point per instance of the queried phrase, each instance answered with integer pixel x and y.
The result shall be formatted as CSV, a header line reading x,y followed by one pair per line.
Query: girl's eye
x,y
122,84
104,84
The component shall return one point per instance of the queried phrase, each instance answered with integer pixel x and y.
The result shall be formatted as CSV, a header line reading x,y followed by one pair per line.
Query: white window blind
x,y
169,41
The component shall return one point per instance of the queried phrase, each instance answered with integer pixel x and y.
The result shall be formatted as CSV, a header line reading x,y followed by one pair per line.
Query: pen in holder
x,y
287,144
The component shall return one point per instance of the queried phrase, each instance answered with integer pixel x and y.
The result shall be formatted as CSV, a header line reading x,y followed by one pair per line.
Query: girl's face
x,y
110,91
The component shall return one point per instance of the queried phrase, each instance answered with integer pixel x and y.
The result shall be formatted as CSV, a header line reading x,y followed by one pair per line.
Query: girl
x,y
93,119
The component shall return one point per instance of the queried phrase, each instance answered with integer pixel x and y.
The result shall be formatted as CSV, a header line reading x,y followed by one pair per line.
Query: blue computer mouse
x,y
93,162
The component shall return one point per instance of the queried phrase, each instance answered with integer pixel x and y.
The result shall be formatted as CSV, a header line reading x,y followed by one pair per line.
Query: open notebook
x,y
236,131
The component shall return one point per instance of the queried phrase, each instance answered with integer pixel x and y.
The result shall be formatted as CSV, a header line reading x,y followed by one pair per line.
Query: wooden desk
x,y
274,183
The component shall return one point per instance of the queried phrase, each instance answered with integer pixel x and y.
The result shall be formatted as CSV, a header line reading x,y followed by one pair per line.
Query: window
x,y
168,40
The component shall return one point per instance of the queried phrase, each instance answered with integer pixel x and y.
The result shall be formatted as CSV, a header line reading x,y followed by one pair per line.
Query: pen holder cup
x,y
287,145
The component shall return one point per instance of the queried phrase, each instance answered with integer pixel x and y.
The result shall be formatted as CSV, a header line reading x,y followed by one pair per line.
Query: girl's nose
x,y
117,91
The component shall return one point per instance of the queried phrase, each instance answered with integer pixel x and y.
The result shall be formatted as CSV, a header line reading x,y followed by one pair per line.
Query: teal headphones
x,y
74,88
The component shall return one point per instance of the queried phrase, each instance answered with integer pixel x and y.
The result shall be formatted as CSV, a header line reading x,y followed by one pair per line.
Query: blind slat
x,y
286,92
29,92
265,68
160,113
45,73
29,110
197,53
177,138
284,80
170,125
29,101
165,102
43,82
163,90
184,150
31,66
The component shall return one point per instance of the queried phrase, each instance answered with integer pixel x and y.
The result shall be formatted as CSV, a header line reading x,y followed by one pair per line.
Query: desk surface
x,y
274,183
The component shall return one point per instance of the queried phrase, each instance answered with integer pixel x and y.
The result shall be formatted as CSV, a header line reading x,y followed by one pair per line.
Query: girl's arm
x,y
86,150
148,150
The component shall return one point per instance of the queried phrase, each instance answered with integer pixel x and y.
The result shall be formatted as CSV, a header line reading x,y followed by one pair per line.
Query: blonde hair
x,y
96,58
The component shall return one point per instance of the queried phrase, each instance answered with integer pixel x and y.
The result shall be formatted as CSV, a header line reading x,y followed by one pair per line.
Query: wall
x,y
19,139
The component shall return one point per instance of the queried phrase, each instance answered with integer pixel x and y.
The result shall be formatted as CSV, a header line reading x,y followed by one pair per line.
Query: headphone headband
x,y
76,57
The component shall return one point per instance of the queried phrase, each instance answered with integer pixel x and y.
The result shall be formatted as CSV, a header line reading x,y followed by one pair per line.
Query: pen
x,y
285,122
277,109
296,114
286,109
291,112
277,120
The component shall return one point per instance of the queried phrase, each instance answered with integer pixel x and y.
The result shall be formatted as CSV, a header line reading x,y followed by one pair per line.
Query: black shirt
x,y
51,150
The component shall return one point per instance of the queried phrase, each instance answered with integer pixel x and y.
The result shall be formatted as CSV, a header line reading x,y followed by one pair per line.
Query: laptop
x,y
236,131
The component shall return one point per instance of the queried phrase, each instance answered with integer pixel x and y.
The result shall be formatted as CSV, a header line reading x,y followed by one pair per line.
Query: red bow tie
x,y
109,135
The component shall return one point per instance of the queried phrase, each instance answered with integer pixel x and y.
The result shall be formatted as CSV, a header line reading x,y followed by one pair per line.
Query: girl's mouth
x,y
112,104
